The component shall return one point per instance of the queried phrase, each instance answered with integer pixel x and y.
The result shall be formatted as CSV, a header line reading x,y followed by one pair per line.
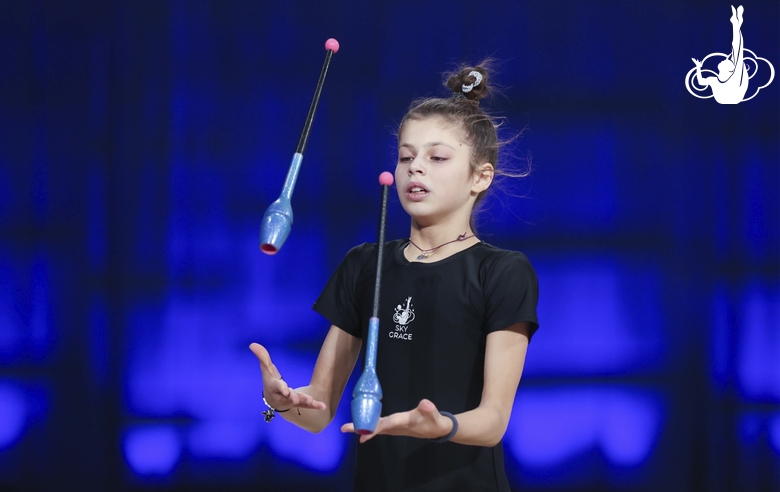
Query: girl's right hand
x,y
275,389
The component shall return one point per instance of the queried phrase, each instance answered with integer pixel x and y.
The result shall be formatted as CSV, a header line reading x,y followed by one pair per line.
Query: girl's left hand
x,y
424,422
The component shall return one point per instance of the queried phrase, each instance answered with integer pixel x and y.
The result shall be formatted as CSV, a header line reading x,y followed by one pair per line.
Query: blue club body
x,y
276,225
278,217
367,395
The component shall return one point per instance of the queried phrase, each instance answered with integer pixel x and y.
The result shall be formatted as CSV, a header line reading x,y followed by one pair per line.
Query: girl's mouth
x,y
416,192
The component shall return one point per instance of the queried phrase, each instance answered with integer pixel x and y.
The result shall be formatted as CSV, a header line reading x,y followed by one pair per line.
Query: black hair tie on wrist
x,y
452,432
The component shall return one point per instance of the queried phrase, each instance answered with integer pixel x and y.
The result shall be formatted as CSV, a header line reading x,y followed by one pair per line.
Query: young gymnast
x,y
456,316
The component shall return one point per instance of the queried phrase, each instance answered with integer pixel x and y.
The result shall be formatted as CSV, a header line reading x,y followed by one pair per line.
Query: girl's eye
x,y
404,159
438,159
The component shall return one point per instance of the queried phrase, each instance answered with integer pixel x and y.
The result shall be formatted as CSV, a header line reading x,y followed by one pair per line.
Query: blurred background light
x,y
774,432
758,351
224,439
554,425
13,414
152,450
598,317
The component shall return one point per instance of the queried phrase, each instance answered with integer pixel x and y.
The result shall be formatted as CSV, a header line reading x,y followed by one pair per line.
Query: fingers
x,y
308,401
400,424
422,422
427,407
279,387
285,397
277,392
267,367
302,400
262,355
350,428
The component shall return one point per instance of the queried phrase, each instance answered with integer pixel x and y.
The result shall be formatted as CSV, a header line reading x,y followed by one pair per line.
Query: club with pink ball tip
x,y
278,217
367,396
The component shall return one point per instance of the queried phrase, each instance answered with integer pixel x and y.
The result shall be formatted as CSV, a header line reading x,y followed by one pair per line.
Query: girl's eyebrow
x,y
428,145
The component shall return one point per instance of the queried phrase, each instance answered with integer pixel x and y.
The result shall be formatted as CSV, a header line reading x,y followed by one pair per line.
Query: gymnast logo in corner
x,y
402,317
730,84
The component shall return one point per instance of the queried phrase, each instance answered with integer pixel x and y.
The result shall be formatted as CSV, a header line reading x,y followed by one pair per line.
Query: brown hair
x,y
480,129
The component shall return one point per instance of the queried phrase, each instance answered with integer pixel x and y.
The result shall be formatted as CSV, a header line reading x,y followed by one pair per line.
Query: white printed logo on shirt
x,y
402,317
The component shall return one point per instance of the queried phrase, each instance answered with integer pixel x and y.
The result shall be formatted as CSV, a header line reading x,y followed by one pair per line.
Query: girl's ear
x,y
482,178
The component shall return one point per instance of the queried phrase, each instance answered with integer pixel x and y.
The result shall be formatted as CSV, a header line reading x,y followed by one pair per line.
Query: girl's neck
x,y
429,237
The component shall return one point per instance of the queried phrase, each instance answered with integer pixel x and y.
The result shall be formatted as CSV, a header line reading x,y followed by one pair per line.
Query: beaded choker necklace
x,y
427,252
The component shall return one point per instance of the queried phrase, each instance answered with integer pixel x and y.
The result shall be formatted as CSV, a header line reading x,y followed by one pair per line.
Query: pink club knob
x,y
332,44
386,179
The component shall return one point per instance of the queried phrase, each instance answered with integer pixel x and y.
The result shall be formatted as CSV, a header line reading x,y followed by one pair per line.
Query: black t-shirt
x,y
434,319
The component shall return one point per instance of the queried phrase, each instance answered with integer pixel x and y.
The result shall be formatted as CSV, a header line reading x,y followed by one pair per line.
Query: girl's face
x,y
433,175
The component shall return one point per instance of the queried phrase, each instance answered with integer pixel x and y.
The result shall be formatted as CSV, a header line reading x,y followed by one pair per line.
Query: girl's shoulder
x,y
492,255
365,254
497,264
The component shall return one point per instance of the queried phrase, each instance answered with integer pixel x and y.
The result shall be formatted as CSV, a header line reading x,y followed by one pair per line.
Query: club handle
x,y
314,103
292,176
380,245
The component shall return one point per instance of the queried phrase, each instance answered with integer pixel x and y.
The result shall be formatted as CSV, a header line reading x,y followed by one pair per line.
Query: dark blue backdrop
x,y
140,143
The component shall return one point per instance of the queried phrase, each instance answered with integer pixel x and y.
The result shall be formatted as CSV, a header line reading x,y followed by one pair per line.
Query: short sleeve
x,y
338,301
511,292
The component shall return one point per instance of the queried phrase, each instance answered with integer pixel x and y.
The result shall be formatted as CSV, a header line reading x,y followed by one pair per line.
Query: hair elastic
x,y
452,432
457,96
477,76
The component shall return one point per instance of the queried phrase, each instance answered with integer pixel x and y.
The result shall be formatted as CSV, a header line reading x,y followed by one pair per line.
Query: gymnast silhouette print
x,y
734,71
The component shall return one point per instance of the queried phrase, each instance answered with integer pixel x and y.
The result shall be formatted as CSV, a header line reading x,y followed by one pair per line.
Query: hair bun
x,y
464,78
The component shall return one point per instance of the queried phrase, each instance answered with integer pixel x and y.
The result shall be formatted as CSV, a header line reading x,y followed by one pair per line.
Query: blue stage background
x,y
140,143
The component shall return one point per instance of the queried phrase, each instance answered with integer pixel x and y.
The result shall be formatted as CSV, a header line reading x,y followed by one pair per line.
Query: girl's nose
x,y
416,166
